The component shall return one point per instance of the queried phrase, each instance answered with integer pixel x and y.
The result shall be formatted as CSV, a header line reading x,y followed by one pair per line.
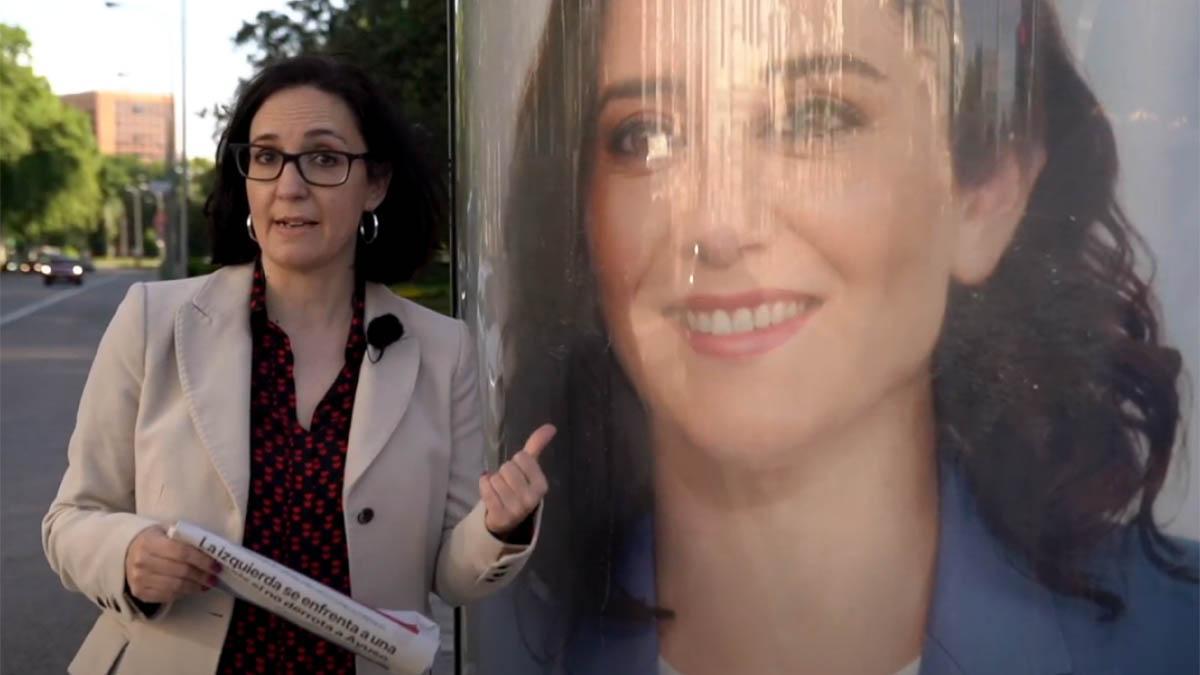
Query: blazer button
x,y
365,516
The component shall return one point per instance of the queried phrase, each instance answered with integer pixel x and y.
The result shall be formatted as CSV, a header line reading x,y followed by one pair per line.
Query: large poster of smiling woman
x,y
855,353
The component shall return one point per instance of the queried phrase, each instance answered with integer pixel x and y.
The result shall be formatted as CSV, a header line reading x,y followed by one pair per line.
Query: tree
x,y
402,43
117,174
15,137
48,157
203,179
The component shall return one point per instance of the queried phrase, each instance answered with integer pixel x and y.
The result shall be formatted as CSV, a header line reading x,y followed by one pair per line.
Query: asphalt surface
x,y
48,337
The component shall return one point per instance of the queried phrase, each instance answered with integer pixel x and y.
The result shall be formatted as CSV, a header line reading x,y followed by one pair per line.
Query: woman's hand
x,y
512,493
159,569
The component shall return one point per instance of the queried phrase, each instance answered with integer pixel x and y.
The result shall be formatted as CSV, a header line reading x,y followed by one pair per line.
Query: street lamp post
x,y
183,158
184,173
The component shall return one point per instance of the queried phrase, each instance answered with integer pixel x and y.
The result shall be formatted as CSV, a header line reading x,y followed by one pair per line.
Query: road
x,y
44,359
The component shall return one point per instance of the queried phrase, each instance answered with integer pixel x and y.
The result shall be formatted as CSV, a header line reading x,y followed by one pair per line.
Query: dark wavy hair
x,y
412,210
1053,390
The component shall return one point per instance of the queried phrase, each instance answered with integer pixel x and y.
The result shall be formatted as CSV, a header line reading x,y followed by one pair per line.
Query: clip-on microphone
x,y
381,332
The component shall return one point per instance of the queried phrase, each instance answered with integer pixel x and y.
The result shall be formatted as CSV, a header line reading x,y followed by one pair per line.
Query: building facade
x,y
130,124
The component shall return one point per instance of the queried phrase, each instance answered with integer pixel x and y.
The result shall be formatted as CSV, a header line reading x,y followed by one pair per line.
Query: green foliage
x,y
118,172
118,176
402,43
203,175
431,288
48,158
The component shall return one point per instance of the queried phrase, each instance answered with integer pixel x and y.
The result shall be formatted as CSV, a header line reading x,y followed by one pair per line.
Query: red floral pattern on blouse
x,y
294,514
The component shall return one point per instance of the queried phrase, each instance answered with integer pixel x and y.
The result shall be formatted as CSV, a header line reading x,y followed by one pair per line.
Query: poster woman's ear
x,y
991,211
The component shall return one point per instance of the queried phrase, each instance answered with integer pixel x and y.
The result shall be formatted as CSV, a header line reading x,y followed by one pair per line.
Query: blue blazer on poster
x,y
988,615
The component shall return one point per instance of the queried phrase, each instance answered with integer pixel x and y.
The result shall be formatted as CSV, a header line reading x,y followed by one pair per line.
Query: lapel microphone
x,y
382,331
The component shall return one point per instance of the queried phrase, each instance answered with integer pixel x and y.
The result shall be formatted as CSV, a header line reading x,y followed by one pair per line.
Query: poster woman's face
x,y
773,215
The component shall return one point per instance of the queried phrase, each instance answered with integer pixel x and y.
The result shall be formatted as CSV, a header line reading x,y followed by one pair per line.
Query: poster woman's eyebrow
x,y
640,88
808,65
795,67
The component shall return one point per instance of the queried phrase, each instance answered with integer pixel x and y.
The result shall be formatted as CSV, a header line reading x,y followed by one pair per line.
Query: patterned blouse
x,y
294,513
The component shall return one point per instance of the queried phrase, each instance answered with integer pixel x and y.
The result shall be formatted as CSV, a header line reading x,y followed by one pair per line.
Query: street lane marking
x,y
54,299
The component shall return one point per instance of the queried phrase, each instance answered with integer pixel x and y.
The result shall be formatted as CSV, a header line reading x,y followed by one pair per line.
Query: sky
x,y
81,45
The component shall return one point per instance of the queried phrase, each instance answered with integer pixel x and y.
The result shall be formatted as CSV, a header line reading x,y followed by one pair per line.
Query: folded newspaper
x,y
400,641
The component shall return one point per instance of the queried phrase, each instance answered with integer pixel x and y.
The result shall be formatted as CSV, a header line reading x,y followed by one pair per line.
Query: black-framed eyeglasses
x,y
322,168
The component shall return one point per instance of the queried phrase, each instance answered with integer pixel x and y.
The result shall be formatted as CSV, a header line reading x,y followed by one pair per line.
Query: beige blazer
x,y
163,435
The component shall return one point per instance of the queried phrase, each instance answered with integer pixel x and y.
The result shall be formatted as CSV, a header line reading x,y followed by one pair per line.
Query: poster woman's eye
x,y
813,122
644,140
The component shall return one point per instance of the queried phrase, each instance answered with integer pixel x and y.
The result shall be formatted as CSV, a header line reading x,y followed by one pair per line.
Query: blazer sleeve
x,y
471,563
91,521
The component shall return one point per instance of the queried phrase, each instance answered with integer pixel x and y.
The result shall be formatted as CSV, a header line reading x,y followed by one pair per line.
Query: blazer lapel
x,y
213,347
988,616
385,387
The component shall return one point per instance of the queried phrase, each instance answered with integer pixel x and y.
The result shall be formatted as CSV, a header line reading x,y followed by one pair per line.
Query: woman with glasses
x,y
290,402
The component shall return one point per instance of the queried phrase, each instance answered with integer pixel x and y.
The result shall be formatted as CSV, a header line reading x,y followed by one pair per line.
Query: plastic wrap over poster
x,y
869,328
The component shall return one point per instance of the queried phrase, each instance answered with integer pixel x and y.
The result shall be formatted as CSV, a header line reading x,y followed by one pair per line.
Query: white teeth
x,y
778,312
762,316
743,319
721,325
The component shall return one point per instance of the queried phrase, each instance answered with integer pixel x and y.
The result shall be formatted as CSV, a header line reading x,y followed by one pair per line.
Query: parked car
x,y
56,267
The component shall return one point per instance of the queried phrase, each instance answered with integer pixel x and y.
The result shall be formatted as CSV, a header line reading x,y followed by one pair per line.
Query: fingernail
x,y
212,581
216,568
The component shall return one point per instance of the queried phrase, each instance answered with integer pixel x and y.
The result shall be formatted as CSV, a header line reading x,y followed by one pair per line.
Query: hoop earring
x,y
362,229
250,229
